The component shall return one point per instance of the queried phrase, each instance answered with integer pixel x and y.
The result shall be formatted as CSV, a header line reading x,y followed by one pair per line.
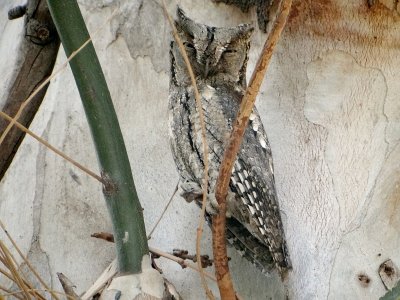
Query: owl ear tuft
x,y
181,14
183,20
190,27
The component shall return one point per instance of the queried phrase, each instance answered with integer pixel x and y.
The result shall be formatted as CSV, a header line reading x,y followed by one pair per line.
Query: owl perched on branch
x,y
219,57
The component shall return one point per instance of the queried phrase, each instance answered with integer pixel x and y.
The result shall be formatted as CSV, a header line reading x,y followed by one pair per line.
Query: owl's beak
x,y
206,68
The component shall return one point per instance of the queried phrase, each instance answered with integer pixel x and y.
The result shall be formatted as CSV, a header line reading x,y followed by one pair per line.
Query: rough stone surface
x,y
331,110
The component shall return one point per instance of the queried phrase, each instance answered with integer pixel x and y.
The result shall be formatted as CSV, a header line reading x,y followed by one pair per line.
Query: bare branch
x,y
68,286
26,260
163,213
184,254
55,150
14,120
180,261
109,237
37,52
219,220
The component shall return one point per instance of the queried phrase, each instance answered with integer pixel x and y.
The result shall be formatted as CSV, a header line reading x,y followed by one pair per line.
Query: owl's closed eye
x,y
212,51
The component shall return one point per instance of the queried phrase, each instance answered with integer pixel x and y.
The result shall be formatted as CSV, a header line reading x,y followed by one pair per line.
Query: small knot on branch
x,y
110,187
109,237
184,254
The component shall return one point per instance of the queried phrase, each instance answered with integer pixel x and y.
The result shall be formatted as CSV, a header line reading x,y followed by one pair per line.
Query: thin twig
x,y
17,278
25,259
8,260
5,273
163,213
106,236
45,82
109,237
184,254
55,150
199,108
219,221
11,277
68,286
180,261
13,121
36,293
8,292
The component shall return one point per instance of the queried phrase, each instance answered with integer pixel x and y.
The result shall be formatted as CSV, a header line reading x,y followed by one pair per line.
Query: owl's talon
x,y
212,206
190,191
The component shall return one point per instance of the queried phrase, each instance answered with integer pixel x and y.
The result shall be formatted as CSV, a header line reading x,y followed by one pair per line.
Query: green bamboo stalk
x,y
393,294
118,186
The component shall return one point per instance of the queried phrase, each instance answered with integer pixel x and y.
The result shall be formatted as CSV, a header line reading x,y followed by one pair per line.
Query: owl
x,y
219,57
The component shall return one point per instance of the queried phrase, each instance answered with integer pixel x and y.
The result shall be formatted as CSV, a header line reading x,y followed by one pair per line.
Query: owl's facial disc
x,y
214,52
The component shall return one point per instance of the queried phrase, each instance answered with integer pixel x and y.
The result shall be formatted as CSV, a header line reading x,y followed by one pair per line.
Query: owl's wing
x,y
255,226
188,156
256,207
182,134
253,180
248,245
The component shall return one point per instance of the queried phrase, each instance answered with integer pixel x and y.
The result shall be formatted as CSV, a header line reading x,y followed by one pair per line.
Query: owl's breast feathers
x,y
255,226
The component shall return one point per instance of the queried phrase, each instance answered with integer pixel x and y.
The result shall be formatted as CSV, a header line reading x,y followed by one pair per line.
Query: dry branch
x,y
8,260
163,212
41,46
32,96
109,237
219,221
68,287
25,259
52,148
184,254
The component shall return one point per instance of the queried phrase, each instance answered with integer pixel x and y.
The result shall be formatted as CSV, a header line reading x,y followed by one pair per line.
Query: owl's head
x,y
216,54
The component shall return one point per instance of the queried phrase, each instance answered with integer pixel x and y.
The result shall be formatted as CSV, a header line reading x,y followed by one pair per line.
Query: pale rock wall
x,y
331,109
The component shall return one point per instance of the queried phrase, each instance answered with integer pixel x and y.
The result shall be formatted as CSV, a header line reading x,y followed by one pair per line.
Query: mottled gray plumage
x,y
219,58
